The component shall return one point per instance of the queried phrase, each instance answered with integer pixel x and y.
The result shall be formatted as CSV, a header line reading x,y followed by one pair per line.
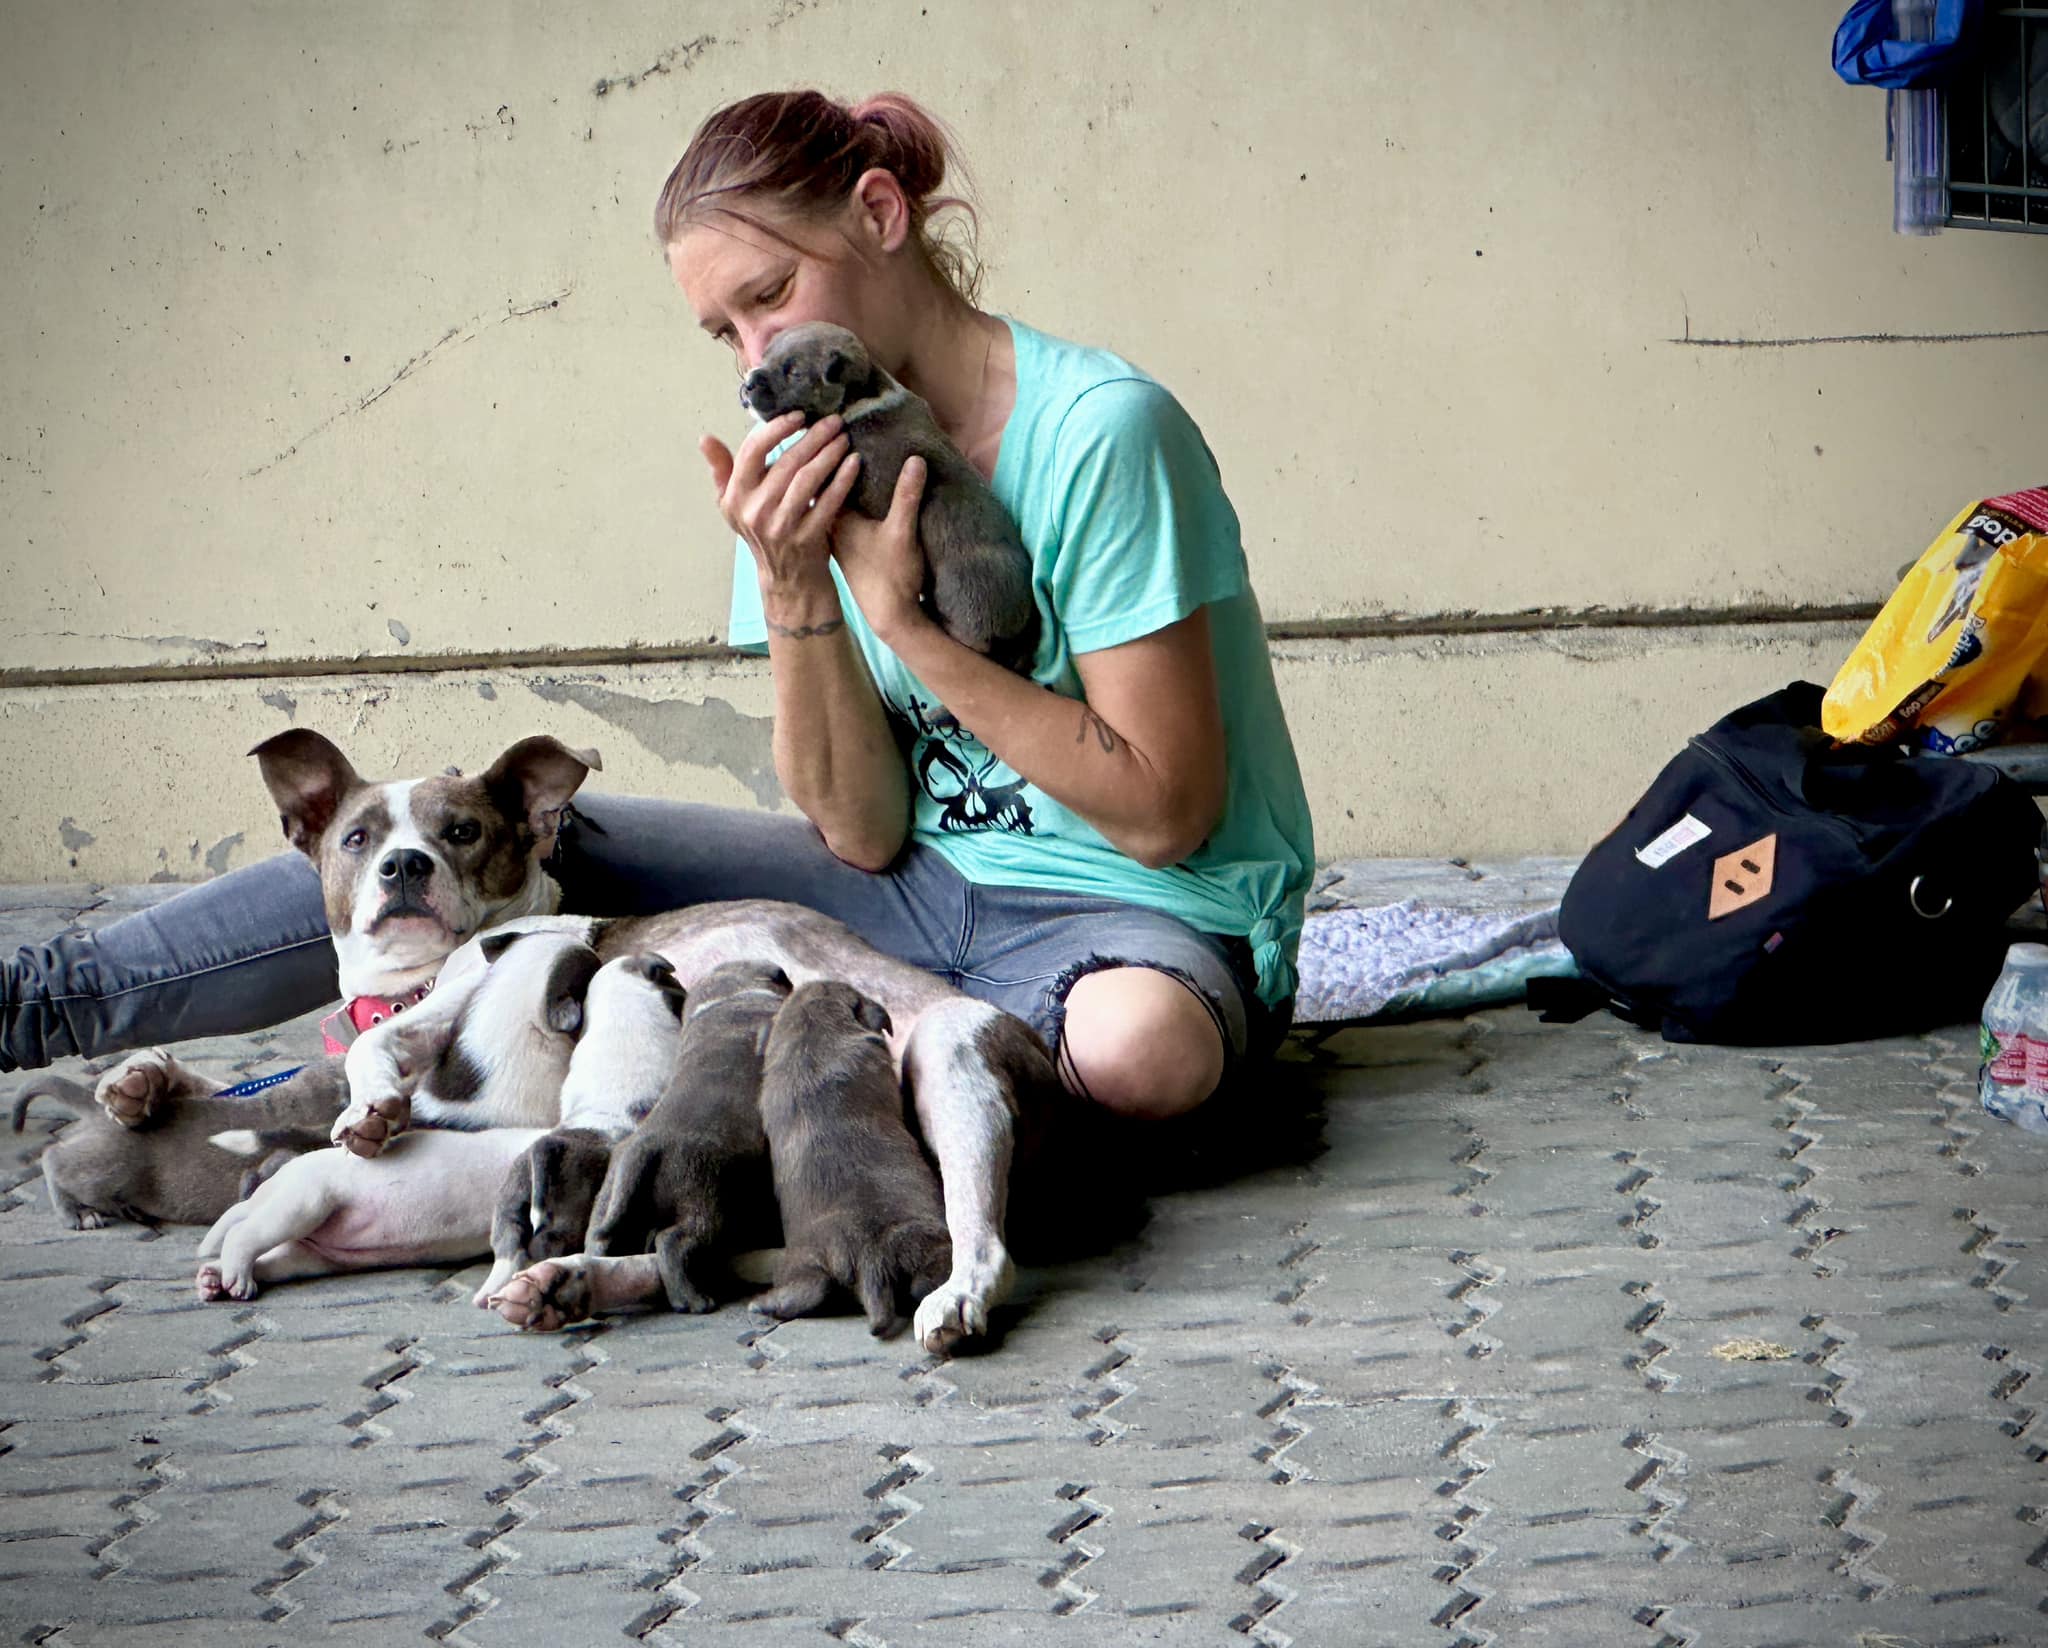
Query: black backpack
x,y
1775,888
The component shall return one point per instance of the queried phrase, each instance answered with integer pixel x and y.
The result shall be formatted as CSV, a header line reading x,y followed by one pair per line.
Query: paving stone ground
x,y
1546,1336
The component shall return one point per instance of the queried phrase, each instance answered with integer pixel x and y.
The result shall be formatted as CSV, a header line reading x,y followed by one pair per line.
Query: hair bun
x,y
915,148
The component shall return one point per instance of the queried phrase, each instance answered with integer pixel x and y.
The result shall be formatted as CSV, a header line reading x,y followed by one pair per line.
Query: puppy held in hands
x,y
977,570
194,1153
625,1061
860,1204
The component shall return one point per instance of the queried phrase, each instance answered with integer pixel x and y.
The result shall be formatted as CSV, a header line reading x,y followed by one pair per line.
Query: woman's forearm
x,y
834,752
1154,811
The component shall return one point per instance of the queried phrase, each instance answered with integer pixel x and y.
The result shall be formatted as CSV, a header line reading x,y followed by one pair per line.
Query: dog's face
x,y
815,369
411,869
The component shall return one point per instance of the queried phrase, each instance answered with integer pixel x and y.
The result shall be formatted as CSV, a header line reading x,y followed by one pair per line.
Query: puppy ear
x,y
777,979
568,983
308,778
534,779
874,1015
494,945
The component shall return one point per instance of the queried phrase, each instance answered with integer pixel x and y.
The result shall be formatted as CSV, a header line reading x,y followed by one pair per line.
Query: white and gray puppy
x,y
441,1195
625,1062
977,570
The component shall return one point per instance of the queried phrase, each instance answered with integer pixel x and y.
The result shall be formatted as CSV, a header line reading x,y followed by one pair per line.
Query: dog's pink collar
x,y
358,1013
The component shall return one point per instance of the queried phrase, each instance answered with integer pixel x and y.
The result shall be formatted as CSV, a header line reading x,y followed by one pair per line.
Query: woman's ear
x,y
881,210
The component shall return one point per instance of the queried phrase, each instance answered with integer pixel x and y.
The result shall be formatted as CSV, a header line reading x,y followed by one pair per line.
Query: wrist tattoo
x,y
1105,737
803,632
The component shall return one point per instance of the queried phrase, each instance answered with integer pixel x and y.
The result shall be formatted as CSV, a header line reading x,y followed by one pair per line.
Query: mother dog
x,y
412,869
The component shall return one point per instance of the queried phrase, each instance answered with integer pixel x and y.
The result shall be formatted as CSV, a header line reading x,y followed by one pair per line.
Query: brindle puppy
x,y
696,1170
977,570
860,1204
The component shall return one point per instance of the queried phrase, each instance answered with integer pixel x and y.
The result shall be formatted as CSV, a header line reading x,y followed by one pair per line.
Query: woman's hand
x,y
882,561
785,511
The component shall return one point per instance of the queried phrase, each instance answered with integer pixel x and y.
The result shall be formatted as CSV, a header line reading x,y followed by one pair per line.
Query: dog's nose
x,y
407,864
754,383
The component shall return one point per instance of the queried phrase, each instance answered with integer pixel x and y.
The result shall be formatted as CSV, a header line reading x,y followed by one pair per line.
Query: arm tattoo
x,y
1104,735
803,632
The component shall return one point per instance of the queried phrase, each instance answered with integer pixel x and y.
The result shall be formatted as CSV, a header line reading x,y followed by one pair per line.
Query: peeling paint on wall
x,y
72,836
281,700
486,691
399,632
217,855
710,734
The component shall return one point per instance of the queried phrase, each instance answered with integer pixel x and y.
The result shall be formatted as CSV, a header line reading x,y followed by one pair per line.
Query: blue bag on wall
x,y
1869,52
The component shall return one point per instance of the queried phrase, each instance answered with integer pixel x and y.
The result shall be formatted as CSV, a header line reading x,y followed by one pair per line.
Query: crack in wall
x,y
459,334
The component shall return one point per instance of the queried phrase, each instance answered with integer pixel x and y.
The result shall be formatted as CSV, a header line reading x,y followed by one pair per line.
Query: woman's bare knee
x,y
1138,1042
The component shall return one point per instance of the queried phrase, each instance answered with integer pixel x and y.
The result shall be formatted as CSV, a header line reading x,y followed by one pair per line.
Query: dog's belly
x,y
806,945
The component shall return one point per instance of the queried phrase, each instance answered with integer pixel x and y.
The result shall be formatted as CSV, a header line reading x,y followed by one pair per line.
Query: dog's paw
x,y
501,1273
957,1310
213,1284
546,1296
87,1218
135,1090
365,1129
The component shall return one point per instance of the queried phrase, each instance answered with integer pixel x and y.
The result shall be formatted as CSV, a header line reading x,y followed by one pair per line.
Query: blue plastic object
x,y
1869,50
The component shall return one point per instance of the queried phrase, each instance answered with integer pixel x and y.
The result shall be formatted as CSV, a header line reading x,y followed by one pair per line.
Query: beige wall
x,y
336,341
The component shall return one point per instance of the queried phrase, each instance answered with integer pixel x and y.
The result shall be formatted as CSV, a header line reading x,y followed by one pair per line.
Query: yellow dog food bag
x,y
1946,666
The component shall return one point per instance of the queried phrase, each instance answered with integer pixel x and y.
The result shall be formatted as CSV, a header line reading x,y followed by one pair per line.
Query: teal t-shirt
x,y
1122,507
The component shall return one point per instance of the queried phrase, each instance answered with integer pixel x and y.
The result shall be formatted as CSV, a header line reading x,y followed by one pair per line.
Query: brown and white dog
x,y
413,869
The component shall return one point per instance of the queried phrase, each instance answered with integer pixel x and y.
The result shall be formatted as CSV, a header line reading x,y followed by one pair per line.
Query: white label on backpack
x,y
1673,842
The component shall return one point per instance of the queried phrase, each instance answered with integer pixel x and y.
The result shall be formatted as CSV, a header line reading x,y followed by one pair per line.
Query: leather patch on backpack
x,y
1743,876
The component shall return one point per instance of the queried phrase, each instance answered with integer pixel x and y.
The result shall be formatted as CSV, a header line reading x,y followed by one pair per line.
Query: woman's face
x,y
745,286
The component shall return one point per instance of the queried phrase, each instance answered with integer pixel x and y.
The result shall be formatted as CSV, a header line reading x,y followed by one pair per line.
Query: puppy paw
x,y
213,1284
365,1129
501,1273
957,1310
135,1091
546,1296
88,1218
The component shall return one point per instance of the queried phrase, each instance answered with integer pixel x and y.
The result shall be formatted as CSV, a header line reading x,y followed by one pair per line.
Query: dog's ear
x,y
568,983
533,781
307,777
873,1015
494,945
776,979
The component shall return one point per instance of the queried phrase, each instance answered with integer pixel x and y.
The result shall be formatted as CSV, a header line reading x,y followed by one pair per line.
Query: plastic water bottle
x,y
2013,1040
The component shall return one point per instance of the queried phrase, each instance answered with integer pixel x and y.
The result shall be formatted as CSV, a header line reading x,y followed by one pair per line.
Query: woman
x,y
1115,849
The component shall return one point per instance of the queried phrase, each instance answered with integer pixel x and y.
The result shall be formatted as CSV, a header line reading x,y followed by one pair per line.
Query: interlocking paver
x,y
1548,1336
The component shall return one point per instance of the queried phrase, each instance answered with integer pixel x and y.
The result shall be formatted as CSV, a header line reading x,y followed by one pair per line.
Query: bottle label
x,y
2016,1060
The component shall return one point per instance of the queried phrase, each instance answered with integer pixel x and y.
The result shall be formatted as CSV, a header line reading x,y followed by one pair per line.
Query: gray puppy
x,y
977,570
197,1154
860,1204
693,1179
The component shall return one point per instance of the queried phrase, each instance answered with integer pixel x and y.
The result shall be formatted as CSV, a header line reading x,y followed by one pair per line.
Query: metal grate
x,y
1998,128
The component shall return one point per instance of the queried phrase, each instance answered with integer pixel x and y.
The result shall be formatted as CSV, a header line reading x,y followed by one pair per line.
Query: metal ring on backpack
x,y
1913,898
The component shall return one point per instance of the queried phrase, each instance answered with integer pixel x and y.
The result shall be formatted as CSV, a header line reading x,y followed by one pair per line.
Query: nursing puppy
x,y
199,1154
625,1061
860,1204
427,1200
977,570
696,1170
435,1200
